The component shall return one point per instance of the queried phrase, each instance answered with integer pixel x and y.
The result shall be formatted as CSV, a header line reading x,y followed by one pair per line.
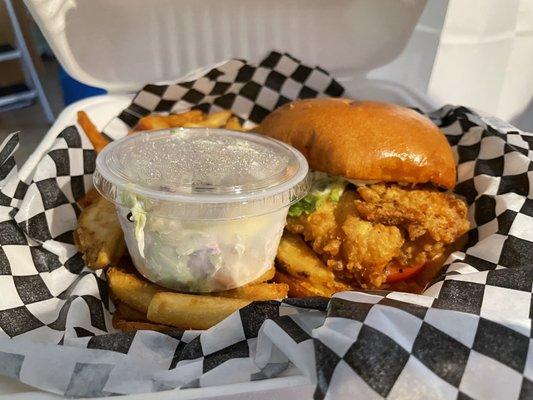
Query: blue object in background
x,y
74,90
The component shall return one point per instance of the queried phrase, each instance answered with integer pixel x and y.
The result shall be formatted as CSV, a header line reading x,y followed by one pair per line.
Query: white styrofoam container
x,y
122,45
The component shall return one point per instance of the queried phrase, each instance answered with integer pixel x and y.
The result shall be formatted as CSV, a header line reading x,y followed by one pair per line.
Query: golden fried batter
x,y
99,235
381,225
419,211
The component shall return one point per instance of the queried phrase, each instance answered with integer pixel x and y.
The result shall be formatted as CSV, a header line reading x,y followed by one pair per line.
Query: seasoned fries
x,y
189,311
215,120
99,235
154,122
177,120
94,135
141,304
189,119
267,276
234,124
132,290
136,296
90,198
258,291
130,314
125,325
299,260
303,271
299,287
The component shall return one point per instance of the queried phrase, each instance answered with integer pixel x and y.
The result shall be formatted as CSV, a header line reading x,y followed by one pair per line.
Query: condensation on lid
x,y
199,164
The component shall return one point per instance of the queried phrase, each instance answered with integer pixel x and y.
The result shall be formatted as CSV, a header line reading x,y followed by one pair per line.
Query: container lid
x,y
122,46
201,173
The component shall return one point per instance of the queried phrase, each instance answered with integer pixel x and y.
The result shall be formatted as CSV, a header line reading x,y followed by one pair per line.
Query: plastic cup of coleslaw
x,y
202,210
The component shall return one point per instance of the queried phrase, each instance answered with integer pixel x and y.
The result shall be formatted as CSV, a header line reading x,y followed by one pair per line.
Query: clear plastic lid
x,y
201,173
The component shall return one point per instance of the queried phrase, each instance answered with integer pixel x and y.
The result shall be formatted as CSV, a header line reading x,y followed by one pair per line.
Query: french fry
x,y
189,311
298,260
301,288
258,291
132,290
267,276
234,124
215,120
152,123
155,122
127,326
94,135
90,198
99,235
189,119
177,120
120,323
129,313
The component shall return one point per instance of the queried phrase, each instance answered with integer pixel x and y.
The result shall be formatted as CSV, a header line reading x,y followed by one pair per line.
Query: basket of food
x,y
257,226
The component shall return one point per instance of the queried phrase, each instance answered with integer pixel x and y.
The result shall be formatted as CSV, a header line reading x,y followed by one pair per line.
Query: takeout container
x,y
142,42
202,210
163,41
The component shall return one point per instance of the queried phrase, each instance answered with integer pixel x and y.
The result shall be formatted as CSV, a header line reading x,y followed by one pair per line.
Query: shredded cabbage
x,y
323,187
138,213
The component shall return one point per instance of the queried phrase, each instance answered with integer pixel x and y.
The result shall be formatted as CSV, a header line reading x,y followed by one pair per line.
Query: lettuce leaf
x,y
324,187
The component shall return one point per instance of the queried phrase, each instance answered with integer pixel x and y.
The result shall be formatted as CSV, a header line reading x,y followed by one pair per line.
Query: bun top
x,y
365,140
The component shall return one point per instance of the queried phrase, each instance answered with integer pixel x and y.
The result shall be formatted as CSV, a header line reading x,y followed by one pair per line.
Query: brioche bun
x,y
365,140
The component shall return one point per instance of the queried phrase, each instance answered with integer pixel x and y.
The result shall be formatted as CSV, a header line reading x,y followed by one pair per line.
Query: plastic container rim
x,y
120,182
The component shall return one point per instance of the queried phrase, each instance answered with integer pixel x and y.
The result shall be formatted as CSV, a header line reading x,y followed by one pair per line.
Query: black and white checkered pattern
x,y
472,340
468,336
249,91
38,259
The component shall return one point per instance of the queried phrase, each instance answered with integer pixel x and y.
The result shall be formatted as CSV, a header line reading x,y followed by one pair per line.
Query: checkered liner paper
x,y
468,336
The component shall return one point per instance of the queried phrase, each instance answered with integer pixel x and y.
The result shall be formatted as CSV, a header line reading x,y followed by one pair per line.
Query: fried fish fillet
x,y
99,235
